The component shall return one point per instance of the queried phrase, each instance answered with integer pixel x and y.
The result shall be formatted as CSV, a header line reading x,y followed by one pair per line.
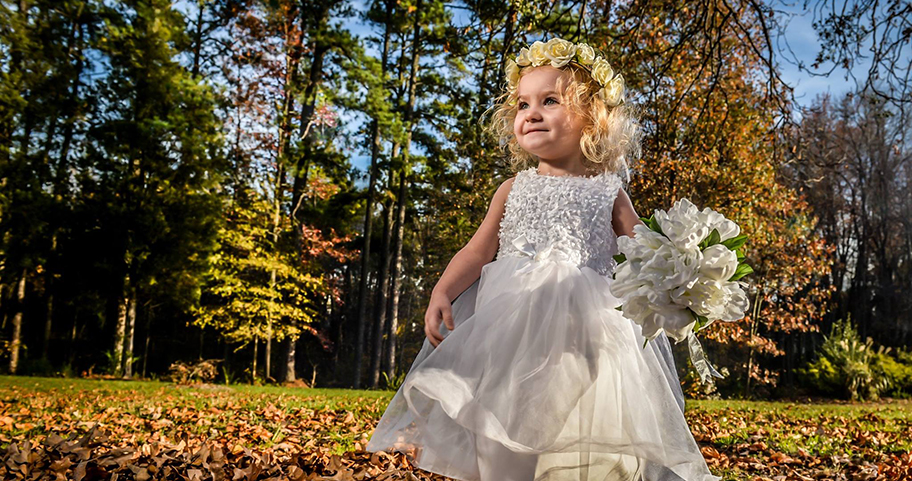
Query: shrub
x,y
848,367
37,367
68,371
395,383
188,373
898,371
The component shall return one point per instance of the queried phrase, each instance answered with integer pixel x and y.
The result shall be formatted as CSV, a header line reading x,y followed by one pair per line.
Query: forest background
x,y
250,182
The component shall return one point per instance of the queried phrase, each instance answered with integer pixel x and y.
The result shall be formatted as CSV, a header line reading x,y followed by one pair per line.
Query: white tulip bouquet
x,y
680,273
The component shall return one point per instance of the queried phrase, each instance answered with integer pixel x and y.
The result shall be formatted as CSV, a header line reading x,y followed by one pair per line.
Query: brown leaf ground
x,y
61,429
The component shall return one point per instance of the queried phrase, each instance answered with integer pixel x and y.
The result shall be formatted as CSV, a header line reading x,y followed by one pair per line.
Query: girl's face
x,y
543,126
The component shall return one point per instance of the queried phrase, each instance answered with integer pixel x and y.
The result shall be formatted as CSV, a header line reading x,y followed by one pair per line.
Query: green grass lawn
x,y
740,439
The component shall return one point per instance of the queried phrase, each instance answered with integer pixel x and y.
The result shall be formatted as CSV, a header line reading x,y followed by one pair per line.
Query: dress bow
x,y
537,257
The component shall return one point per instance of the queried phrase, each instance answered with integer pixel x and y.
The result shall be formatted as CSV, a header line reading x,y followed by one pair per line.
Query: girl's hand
x,y
439,309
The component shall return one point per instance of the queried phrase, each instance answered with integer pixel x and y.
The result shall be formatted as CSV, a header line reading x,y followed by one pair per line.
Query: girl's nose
x,y
532,113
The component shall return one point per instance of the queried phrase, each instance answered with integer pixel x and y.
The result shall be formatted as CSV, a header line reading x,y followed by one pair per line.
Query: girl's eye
x,y
523,105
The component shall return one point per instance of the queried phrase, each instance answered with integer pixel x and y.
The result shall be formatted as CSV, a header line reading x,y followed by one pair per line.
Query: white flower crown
x,y
560,52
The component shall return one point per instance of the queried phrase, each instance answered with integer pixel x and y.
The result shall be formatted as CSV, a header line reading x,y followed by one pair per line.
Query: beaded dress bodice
x,y
566,215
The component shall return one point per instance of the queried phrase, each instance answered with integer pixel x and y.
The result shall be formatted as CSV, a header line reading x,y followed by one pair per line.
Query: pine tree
x,y
152,161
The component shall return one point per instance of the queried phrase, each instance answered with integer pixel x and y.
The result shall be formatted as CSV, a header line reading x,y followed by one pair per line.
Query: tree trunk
x,y
2,302
290,360
49,291
509,34
268,374
149,315
120,331
49,315
45,345
308,106
292,56
128,336
71,355
254,371
72,104
368,214
198,40
382,291
28,117
369,331
393,313
859,293
17,325
401,199
8,128
365,273
753,332
383,281
337,330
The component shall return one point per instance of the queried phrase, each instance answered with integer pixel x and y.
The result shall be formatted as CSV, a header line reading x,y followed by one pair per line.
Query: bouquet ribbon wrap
x,y
698,358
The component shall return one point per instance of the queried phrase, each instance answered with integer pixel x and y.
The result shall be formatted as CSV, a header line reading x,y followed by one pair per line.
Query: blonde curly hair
x,y
611,137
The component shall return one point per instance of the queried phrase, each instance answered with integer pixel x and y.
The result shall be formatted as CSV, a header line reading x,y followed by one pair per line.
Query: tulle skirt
x,y
541,363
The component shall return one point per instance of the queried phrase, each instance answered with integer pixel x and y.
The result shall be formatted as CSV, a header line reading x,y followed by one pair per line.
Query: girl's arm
x,y
465,267
624,217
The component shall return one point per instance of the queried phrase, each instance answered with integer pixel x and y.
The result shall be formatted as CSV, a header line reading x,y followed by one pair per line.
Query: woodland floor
x,y
89,430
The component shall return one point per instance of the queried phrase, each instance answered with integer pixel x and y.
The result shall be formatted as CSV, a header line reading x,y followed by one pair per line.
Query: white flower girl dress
x,y
541,363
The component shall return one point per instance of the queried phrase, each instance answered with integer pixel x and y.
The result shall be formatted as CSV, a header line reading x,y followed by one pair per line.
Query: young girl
x,y
528,370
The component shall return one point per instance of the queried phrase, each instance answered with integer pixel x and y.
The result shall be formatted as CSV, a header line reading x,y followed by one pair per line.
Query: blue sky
x,y
802,39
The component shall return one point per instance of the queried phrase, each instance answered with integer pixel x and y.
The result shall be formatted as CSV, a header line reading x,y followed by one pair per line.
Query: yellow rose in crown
x,y
613,93
560,52
585,54
512,71
537,53
602,71
524,59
